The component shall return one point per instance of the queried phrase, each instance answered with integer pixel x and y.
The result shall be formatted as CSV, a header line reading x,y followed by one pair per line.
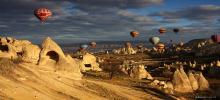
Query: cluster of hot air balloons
x,y
44,13
154,40
85,46
164,30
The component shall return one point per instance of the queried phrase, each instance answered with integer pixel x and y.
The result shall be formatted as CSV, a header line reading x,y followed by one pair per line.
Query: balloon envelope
x,y
162,30
154,40
176,30
42,14
84,46
127,44
93,44
134,34
216,38
160,46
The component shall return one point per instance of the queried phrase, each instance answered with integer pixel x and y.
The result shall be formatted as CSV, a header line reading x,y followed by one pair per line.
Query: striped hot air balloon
x,y
42,14
160,46
162,30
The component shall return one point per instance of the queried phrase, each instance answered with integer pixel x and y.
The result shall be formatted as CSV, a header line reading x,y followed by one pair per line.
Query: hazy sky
x,y
98,20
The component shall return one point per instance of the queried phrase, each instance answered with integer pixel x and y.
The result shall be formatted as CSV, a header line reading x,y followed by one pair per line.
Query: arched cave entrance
x,y
88,65
4,48
53,55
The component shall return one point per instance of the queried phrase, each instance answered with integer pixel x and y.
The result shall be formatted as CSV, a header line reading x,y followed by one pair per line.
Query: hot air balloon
x,y
176,30
134,34
162,30
93,44
154,40
160,46
181,43
127,44
216,38
42,14
139,46
84,46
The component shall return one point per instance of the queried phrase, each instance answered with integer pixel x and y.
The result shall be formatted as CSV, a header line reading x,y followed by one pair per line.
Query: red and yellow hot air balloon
x,y
134,34
42,14
162,30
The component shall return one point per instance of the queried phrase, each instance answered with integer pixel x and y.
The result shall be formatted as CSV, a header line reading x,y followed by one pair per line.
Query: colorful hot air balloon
x,y
154,40
84,46
216,38
176,30
160,46
42,14
93,44
134,34
162,30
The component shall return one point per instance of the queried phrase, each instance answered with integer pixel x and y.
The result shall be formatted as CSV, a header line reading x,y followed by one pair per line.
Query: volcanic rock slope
x,y
28,82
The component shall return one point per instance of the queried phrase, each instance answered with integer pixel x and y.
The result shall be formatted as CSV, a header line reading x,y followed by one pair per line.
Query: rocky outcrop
x,y
181,82
126,50
139,72
88,62
12,48
193,81
52,55
202,82
31,54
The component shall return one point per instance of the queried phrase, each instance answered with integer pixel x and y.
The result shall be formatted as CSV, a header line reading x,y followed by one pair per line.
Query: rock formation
x,y
126,50
31,54
181,82
203,83
88,62
193,81
52,55
139,72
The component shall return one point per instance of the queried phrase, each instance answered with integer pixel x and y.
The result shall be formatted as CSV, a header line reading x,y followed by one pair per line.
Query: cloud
x,y
84,20
115,3
203,12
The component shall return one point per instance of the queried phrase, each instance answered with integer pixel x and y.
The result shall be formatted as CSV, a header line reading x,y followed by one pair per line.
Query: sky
x,y
110,20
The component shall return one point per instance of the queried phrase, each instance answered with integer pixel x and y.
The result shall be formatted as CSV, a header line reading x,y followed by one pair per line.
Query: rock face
x,y
89,63
181,82
7,51
31,54
53,56
218,63
12,48
139,72
193,81
203,83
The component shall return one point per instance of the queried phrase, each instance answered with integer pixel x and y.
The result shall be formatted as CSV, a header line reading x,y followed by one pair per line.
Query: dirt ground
x,y
32,82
